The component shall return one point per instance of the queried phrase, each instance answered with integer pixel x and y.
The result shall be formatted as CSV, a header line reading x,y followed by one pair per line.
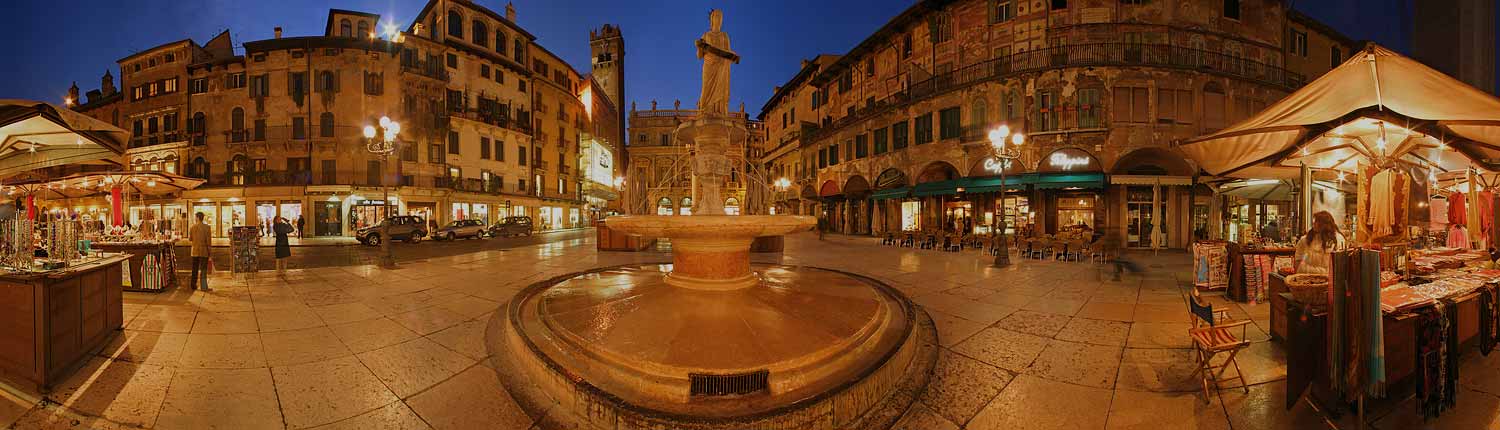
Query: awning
x,y
1052,181
1150,180
36,135
893,193
939,188
991,184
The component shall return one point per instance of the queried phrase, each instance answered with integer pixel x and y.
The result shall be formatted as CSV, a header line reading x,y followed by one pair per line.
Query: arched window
x,y
455,24
481,34
327,82
731,206
686,208
364,29
198,168
169,164
236,168
520,52
977,116
344,29
499,41
325,124
196,127
664,206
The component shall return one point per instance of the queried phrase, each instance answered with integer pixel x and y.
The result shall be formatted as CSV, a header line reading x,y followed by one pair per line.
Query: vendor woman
x,y
1313,248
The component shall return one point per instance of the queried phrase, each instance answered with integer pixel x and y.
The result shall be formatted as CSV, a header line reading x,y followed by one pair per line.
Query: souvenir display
x,y
244,241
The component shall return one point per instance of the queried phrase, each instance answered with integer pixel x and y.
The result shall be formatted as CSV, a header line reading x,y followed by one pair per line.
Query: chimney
x,y
510,12
278,32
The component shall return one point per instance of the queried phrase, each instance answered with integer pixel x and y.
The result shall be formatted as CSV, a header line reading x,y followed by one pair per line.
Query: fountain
x,y
712,341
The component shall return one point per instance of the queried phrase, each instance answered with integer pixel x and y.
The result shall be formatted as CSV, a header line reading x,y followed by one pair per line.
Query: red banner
x,y
116,211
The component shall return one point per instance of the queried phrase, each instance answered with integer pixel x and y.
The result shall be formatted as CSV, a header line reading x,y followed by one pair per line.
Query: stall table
x,y
55,320
1307,339
165,277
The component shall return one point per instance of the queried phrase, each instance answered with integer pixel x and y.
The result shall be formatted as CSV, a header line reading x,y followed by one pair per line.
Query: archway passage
x,y
938,171
1153,161
829,189
856,187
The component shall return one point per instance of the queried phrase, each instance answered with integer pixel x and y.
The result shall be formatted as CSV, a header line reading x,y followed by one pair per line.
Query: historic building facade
x,y
659,180
491,123
892,135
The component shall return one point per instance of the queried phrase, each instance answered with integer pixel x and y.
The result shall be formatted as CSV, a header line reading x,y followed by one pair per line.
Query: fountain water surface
x,y
712,341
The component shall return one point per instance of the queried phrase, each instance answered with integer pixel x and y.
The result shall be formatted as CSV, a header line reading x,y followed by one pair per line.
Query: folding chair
x,y
1210,340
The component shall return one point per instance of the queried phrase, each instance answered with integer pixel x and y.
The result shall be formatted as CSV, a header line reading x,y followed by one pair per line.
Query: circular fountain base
x,y
801,348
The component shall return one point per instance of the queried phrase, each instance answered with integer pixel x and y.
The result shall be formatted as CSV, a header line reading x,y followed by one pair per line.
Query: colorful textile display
x,y
151,273
1434,374
1356,350
1382,203
1258,268
1458,237
1489,319
1210,265
1486,211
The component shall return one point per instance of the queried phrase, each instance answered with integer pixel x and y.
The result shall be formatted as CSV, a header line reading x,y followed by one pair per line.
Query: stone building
x,y
659,178
277,129
892,135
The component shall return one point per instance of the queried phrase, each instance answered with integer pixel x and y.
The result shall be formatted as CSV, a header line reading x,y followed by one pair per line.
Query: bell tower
x,y
607,47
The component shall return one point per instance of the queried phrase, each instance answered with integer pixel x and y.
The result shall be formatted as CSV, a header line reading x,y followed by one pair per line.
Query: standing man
x,y
199,235
299,225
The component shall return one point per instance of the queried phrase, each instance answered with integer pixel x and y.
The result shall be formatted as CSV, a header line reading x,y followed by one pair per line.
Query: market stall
x,y
59,301
150,240
1390,126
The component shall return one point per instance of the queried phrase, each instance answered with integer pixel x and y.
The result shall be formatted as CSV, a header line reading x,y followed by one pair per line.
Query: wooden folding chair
x,y
1211,336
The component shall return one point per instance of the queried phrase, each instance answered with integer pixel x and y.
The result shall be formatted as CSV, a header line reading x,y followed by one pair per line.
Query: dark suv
x,y
511,226
408,228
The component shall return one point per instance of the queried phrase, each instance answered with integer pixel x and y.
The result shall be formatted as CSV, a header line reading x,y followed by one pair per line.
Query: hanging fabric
x,y
1457,214
125,274
1489,318
1432,350
1382,203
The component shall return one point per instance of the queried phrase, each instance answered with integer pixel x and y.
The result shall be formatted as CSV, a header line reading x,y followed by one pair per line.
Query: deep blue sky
x,y
51,43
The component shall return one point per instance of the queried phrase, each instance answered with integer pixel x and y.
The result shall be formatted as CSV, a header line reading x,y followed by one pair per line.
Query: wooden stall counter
x,y
53,321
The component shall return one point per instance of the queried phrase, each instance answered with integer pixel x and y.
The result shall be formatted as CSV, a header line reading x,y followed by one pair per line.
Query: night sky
x,y
52,43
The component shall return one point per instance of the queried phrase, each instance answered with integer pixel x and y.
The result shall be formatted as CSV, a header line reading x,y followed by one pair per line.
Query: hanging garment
x,y
1432,331
1374,323
1489,318
1486,211
1382,203
125,274
1458,236
1457,214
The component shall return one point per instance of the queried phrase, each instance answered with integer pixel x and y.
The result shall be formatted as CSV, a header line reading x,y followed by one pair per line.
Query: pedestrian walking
x,y
199,236
822,227
283,245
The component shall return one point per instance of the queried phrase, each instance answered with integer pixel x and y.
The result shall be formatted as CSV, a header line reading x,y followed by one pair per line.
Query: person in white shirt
x,y
1313,248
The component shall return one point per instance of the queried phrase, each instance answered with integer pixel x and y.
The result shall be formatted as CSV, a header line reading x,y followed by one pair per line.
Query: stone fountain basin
x,y
745,227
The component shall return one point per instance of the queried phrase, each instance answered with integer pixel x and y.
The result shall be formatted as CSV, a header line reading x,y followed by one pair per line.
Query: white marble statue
x,y
713,48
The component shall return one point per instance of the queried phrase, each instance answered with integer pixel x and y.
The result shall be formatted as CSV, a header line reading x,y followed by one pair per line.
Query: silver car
x,y
467,228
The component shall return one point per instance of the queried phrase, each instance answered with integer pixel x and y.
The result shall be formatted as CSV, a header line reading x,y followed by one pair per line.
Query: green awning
x,y
940,188
991,184
1054,181
893,193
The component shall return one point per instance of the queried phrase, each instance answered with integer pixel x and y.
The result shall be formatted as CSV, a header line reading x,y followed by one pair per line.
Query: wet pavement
x,y
342,254
1040,345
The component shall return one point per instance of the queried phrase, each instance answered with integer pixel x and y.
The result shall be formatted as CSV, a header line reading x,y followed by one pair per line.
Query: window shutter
x,y
1121,104
337,78
1139,108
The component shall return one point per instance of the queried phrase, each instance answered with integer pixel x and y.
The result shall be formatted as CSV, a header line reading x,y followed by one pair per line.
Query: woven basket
x,y
1309,288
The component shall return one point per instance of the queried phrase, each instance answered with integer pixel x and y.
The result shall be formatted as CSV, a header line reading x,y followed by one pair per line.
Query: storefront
x,y
1152,198
1067,188
937,186
328,216
857,206
887,198
983,187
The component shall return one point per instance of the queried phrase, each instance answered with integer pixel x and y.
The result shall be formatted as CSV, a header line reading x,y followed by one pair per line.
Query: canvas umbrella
x,y
35,135
1378,108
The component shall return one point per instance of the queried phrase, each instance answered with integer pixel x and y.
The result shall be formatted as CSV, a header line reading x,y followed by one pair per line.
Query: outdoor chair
x,y
1096,250
907,240
1074,250
1212,336
890,239
953,242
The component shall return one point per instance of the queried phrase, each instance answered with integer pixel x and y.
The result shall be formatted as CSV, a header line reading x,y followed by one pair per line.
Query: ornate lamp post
x,y
382,141
782,185
1006,154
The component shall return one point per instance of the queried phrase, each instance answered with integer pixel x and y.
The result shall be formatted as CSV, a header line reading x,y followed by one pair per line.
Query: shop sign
x,y
1071,160
995,166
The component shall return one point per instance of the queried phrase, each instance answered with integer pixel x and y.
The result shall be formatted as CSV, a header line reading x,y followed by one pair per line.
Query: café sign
x,y
1070,160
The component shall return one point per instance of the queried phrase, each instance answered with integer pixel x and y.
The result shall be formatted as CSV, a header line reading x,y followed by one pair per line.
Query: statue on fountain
x,y
713,49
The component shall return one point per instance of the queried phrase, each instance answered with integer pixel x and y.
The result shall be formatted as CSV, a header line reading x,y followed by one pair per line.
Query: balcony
x,y
562,169
429,70
538,164
473,185
145,140
496,118
1085,55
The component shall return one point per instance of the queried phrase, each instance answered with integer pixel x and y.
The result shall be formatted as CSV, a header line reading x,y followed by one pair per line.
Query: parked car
x,y
512,226
467,228
408,228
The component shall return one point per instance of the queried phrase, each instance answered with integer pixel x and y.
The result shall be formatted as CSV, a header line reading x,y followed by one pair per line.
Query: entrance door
x,y
1138,226
330,219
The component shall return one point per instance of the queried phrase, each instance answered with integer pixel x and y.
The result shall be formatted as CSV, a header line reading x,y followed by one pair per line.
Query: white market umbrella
x,y
1379,108
36,135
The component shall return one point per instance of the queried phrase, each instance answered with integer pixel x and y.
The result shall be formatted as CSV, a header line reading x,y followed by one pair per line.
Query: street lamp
x,y
1005,153
382,141
782,184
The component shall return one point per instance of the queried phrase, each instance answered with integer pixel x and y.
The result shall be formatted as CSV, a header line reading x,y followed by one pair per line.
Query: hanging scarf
x,y
1489,318
1432,349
